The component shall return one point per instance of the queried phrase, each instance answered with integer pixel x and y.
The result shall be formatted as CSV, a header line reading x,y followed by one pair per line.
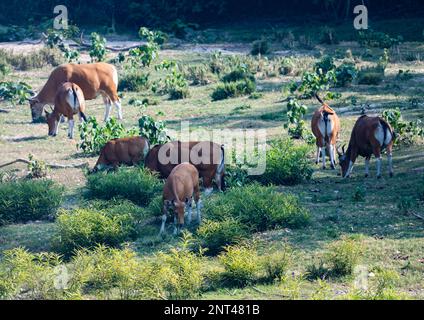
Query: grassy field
x,y
392,238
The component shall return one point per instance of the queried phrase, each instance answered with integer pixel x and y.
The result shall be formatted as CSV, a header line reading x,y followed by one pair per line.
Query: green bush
x,y
326,64
98,47
371,38
343,256
406,132
287,66
215,235
34,59
276,264
286,163
133,81
29,200
237,75
198,75
260,47
94,136
345,74
258,208
240,265
154,131
233,89
15,92
87,228
136,184
371,75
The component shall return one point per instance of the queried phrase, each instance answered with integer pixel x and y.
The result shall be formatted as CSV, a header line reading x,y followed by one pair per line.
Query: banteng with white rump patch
x,y
93,78
129,151
208,158
178,191
370,136
325,126
69,101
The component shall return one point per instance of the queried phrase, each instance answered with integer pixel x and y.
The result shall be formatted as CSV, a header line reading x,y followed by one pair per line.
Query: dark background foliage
x,y
130,14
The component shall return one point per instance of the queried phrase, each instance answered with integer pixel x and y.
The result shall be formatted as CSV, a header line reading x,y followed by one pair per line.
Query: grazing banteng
x,y
93,79
180,186
208,158
129,151
69,101
370,135
325,126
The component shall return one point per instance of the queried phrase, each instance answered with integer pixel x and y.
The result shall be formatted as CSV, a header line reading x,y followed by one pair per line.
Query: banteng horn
x,y
318,98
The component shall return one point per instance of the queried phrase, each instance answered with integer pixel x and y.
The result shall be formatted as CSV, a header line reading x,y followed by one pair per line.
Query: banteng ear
x,y
339,152
343,148
47,113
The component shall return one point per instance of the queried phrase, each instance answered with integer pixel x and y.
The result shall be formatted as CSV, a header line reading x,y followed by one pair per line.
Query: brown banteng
x,y
208,158
325,126
129,151
69,101
93,79
370,135
180,187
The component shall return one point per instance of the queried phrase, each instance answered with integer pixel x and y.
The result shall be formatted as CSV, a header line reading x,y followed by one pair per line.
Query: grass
x,y
391,239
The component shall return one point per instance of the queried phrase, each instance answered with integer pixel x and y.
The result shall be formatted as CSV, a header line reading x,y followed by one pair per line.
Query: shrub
x,y
215,235
258,208
34,59
198,75
371,38
359,194
406,132
286,66
286,163
136,184
94,136
260,47
98,47
154,131
240,265
233,89
326,64
134,81
295,113
88,228
345,74
236,176
4,67
29,200
25,275
382,286
237,75
15,92
36,168
277,263
370,76
343,255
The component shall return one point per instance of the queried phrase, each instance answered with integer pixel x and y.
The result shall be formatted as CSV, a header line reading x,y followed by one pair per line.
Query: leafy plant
x,y
136,184
240,265
98,47
406,132
36,168
134,80
371,38
15,92
233,89
94,136
343,255
29,200
286,163
277,263
215,235
258,208
345,74
260,47
295,113
154,131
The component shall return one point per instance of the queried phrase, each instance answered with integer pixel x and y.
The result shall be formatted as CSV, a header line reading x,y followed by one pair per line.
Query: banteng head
x,y
53,123
343,161
36,108
178,207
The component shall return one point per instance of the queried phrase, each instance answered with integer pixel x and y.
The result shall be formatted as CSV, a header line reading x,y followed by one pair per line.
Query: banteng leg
x,y
377,154
323,156
176,226
198,203
189,203
389,159
164,217
118,106
331,152
207,183
367,166
71,128
108,106
318,154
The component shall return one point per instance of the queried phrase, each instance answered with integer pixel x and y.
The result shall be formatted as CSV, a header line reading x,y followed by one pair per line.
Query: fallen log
x,y
51,165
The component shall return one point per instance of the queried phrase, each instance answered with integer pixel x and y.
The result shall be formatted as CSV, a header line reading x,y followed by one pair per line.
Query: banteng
x,y
93,79
370,135
69,101
325,126
180,187
208,158
129,151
